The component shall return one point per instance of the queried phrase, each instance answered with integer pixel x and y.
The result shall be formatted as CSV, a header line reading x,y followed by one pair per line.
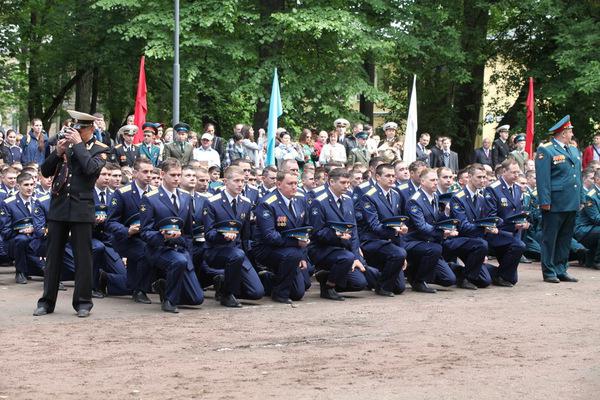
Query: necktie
x,y
510,189
102,198
433,205
475,196
389,197
234,206
291,207
27,207
339,202
174,197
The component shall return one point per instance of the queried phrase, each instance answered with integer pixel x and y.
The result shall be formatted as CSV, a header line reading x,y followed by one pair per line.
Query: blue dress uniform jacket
x,y
381,246
423,242
124,204
241,278
152,153
12,210
173,256
507,244
281,254
327,250
558,178
107,259
203,271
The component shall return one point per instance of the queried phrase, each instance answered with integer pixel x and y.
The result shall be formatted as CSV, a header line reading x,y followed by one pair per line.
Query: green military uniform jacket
x,y
558,176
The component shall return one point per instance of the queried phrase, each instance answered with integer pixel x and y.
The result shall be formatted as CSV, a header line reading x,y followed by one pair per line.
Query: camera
x,y
61,134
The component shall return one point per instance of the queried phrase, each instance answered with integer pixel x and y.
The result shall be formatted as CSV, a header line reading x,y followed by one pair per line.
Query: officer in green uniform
x,y
558,177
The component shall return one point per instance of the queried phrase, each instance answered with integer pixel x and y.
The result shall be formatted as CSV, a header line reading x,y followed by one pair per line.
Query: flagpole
x,y
176,66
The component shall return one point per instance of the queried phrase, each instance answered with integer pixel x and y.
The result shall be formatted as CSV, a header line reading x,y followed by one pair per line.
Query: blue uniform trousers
x,y
388,258
241,279
176,266
423,260
138,266
471,251
287,279
338,262
508,250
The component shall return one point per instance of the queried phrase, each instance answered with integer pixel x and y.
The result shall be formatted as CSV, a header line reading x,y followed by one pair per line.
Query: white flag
x,y
410,138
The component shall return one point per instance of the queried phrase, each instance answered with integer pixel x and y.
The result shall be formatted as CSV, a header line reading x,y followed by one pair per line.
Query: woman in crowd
x,y
250,146
286,150
12,152
333,150
306,145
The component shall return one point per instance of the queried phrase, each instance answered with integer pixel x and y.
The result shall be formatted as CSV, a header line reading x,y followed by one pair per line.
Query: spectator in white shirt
x,y
333,150
205,153
286,150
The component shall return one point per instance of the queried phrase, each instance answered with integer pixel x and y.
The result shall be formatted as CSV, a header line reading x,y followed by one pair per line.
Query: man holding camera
x,y
75,164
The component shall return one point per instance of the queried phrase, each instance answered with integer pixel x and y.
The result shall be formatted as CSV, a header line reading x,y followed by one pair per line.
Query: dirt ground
x,y
533,341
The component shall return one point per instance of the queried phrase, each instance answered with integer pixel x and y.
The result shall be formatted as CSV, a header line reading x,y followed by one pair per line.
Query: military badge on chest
x,y
558,159
504,202
282,221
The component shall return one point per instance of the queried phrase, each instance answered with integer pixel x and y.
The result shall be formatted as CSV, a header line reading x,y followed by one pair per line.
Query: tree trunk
x,y
34,100
83,92
95,84
469,96
511,116
367,107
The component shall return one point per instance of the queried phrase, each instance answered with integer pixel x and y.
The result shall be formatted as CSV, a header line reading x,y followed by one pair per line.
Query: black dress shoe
x,y
96,294
140,297
422,287
525,260
38,312
230,301
331,294
499,281
466,284
282,300
383,292
83,313
166,306
552,279
218,285
61,287
20,278
567,278
158,286
103,282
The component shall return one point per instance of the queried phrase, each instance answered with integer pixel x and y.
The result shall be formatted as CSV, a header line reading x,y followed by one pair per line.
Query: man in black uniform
x,y
500,148
75,164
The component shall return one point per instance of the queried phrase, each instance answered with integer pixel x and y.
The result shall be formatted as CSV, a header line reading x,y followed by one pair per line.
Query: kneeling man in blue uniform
x,y
381,231
334,247
504,200
558,178
282,237
226,219
166,226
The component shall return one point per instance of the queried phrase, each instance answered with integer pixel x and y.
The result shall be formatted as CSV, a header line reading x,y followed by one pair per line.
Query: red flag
x,y
530,120
141,107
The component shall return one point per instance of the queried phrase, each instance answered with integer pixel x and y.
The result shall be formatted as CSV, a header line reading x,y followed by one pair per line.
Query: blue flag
x,y
275,111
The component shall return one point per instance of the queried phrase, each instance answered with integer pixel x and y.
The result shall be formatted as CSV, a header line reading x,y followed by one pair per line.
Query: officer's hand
x,y
545,207
358,264
404,265
303,243
451,233
522,226
493,231
100,220
61,146
303,264
230,236
27,231
345,236
401,230
72,136
133,230
171,234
